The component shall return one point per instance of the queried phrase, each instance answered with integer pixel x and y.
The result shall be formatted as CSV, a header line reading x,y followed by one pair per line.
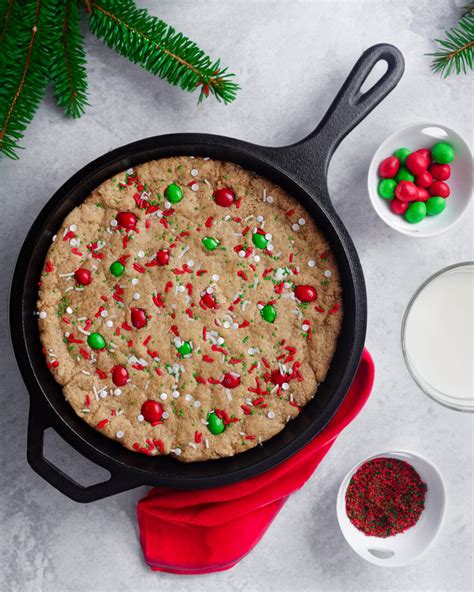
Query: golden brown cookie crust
x,y
294,351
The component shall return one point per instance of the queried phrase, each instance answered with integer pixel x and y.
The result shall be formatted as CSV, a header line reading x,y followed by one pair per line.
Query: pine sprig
x,y
68,60
25,68
157,47
41,40
456,53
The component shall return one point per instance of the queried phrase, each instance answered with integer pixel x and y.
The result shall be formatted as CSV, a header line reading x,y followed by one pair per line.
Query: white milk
x,y
439,337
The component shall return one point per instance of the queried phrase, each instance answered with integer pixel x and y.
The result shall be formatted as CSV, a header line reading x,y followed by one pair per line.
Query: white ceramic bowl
x,y
425,135
407,546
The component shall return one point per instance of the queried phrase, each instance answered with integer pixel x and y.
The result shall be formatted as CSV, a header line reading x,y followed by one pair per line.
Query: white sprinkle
x,y
220,340
285,386
165,415
183,252
54,238
163,396
241,254
73,242
206,442
117,392
256,258
269,199
295,227
130,171
140,417
175,394
194,172
113,222
268,236
226,325
136,296
259,218
83,331
271,415
68,289
119,435
69,310
301,221
191,263
194,187
215,278
270,247
103,394
104,313
197,403
305,327
167,205
188,397
141,254
192,445
73,228
176,451
235,326
181,288
328,273
209,290
251,351
66,274
134,281
109,324
311,263
83,371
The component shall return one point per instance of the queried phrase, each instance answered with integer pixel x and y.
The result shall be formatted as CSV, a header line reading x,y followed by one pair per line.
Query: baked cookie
x,y
189,307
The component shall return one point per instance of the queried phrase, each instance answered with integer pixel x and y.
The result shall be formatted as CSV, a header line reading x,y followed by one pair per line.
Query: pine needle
x,y
157,47
68,61
24,71
456,51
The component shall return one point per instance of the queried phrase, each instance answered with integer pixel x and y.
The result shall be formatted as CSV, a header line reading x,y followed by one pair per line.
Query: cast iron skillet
x,y
301,169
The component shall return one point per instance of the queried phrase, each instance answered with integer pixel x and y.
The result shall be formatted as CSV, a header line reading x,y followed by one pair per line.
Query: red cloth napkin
x,y
194,532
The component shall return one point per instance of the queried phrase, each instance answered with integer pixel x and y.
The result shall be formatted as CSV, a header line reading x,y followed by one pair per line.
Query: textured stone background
x,y
291,58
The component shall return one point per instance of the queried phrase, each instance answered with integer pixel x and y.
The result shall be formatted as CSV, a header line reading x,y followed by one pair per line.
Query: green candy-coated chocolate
x,y
442,152
96,341
174,193
259,240
402,154
404,175
185,348
435,205
209,243
117,268
215,424
387,188
268,313
416,212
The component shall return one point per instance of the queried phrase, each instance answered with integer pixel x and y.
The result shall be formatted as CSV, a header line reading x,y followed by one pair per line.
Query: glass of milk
x,y
438,336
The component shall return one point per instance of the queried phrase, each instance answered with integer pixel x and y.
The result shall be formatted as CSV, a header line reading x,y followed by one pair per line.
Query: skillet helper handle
x,y
351,105
37,424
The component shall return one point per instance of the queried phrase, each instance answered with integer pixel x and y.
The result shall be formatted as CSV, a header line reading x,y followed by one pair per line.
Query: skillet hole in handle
x,y
55,476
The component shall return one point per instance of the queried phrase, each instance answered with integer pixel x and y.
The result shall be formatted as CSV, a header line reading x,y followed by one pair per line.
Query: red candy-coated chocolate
x,y
399,207
423,194
138,317
441,172
389,167
306,293
126,220
224,197
163,257
119,375
208,300
83,276
439,188
406,191
152,411
230,380
424,179
416,163
426,153
278,377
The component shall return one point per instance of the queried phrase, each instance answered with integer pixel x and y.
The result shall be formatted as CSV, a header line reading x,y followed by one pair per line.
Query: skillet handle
x,y
309,158
37,424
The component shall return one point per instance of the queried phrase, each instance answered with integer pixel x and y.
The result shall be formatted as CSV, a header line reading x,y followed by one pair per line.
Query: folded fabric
x,y
209,530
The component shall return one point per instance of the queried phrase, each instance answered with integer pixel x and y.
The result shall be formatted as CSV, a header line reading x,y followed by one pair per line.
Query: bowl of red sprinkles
x,y
390,507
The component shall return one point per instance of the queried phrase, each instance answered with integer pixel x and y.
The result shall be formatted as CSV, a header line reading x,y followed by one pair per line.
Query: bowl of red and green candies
x,y
420,179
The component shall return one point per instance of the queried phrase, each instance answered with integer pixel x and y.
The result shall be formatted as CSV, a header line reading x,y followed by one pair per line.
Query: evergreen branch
x,y
469,8
456,52
5,12
68,61
25,72
157,47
